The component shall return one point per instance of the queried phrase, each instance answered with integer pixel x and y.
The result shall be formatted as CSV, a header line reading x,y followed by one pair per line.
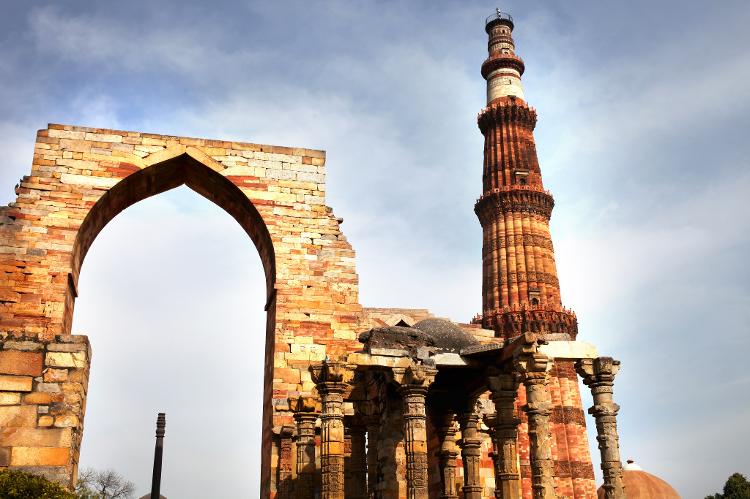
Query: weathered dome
x,y
642,485
446,335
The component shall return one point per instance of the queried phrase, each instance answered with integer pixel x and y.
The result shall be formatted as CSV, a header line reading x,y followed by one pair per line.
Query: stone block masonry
x,y
43,385
80,179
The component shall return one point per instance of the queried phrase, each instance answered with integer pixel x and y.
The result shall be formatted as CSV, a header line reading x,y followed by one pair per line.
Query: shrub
x,y
19,485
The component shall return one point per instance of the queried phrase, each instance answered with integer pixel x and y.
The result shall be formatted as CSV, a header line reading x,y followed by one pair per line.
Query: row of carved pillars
x,y
413,382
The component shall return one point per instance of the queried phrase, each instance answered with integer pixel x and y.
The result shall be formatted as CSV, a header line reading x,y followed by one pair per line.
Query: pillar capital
x,y
331,376
416,376
601,370
304,405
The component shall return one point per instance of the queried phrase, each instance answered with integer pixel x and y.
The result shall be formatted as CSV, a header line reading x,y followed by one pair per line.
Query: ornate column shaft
x,y
413,383
305,416
331,379
358,461
373,430
448,454
599,374
471,451
285,463
534,368
504,424
284,486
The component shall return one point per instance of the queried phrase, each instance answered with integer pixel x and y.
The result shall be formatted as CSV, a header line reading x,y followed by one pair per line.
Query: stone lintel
x,y
569,350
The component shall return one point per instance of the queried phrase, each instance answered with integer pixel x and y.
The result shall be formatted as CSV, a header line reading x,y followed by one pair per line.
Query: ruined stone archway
x,y
81,178
185,169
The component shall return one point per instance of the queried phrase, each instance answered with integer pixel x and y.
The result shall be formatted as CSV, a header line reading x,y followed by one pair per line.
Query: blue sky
x,y
643,119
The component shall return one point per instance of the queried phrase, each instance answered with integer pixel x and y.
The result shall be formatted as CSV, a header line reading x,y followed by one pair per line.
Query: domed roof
x,y
642,485
446,334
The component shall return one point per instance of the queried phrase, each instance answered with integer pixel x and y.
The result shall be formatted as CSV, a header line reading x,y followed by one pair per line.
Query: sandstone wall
x,y
82,177
42,400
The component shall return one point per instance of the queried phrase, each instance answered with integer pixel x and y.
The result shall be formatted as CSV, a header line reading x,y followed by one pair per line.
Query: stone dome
x,y
642,485
446,334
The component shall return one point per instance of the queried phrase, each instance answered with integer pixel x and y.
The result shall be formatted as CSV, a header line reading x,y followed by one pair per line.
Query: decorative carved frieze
x,y
568,415
513,199
507,241
508,110
513,323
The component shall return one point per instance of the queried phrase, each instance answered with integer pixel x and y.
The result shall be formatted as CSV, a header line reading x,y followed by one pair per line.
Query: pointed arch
x,y
169,169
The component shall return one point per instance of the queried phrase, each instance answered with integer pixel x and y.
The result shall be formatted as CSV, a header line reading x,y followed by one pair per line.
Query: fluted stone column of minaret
x,y
413,383
305,415
471,450
520,286
599,374
504,426
446,429
534,370
331,379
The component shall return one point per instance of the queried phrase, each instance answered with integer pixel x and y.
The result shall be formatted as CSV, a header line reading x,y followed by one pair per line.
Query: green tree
x,y
736,487
19,485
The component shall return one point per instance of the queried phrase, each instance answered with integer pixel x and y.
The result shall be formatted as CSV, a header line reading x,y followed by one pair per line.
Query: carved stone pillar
x,y
599,375
471,450
446,429
504,425
331,379
284,487
358,461
305,415
373,430
534,368
413,383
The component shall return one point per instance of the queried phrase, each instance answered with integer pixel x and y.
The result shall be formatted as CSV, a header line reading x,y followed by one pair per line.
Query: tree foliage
x,y
20,485
107,484
736,487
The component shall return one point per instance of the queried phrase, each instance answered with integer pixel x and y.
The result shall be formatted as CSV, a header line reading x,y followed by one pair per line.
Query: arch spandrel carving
x,y
81,178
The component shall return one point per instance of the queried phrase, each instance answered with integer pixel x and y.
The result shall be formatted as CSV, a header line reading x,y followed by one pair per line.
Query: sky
x,y
644,112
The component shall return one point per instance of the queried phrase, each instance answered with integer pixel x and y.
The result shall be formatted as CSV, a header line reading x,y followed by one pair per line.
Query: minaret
x,y
520,288
519,279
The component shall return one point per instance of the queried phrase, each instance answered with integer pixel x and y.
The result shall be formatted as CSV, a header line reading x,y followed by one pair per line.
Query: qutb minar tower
x,y
520,289
520,286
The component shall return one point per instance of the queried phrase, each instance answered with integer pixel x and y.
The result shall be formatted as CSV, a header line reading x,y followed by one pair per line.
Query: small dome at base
x,y
642,485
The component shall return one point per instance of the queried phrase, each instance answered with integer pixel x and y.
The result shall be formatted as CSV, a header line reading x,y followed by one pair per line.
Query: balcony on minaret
x,y
521,176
